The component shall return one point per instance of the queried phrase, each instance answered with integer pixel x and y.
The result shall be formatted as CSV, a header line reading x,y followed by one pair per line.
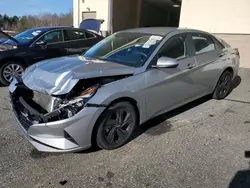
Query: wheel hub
x,y
12,70
117,126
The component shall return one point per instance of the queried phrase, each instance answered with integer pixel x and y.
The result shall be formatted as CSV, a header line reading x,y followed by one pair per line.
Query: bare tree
x,y
46,19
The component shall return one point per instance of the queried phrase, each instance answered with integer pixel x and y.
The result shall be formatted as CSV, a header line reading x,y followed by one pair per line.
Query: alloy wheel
x,y
117,126
12,70
224,85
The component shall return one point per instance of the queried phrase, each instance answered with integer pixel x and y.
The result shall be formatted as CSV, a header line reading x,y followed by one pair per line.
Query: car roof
x,y
163,31
51,28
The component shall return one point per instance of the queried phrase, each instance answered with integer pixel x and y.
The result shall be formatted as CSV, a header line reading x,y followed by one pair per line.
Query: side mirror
x,y
166,62
41,43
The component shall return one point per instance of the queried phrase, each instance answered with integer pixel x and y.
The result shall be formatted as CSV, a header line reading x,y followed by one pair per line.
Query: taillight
x,y
237,52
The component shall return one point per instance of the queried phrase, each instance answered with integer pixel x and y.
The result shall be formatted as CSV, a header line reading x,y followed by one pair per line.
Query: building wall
x,y
242,42
100,6
126,14
216,16
152,15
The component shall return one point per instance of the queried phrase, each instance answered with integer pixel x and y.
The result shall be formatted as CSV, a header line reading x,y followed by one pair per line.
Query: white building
x,y
215,16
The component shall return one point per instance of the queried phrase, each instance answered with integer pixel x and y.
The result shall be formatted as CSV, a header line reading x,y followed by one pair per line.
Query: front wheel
x,y
223,87
116,125
9,70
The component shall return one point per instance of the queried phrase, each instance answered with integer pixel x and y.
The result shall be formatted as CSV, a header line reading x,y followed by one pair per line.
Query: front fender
x,y
132,88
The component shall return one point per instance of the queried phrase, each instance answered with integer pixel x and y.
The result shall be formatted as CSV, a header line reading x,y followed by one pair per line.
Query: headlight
x,y
88,93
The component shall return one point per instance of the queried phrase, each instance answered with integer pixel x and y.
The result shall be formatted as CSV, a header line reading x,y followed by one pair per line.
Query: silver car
x,y
72,103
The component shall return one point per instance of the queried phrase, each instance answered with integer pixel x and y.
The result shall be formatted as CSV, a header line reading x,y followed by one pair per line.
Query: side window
x,y
74,35
218,44
52,37
175,47
202,44
90,35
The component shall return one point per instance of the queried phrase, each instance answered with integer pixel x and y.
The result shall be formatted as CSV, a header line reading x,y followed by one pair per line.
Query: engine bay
x,y
34,107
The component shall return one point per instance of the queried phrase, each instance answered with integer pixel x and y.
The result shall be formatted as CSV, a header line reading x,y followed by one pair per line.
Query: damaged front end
x,y
32,107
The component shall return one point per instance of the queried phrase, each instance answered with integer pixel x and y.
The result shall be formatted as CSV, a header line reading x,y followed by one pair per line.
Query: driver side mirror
x,y
41,43
166,62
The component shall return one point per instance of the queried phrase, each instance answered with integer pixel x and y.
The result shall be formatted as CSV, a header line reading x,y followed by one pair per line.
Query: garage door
x,y
89,15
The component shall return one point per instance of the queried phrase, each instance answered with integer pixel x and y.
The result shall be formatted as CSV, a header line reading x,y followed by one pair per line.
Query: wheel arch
x,y
132,101
19,59
230,69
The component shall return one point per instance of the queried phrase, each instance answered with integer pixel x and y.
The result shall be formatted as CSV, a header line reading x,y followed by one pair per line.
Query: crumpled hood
x,y
59,75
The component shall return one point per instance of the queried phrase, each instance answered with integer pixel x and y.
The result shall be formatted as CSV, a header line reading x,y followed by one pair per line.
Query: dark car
x,y
38,44
2,40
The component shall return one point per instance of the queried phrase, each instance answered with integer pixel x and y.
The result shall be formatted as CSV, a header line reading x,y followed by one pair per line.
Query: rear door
x,y
79,39
209,56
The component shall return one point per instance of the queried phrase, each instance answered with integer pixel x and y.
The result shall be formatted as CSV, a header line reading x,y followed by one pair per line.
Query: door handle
x,y
191,65
222,54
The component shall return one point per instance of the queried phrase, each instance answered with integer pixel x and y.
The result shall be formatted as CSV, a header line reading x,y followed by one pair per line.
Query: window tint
x,y
175,48
202,44
89,35
53,37
74,35
218,44
225,44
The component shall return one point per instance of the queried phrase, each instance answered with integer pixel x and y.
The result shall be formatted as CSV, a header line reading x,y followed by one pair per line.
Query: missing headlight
x,y
67,108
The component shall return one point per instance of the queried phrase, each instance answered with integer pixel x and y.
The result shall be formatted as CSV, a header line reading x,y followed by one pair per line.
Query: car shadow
x,y
236,82
241,178
1,85
159,125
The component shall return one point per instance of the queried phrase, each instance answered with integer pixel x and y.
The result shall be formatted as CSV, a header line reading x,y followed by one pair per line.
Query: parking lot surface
x,y
200,145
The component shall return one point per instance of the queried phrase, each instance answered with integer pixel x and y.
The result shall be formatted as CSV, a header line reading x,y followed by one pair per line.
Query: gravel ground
x,y
200,145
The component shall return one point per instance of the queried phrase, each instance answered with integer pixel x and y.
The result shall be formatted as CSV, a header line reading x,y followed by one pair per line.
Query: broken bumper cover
x,y
69,135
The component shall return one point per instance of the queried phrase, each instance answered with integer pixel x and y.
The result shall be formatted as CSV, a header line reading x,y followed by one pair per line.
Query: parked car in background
x,y
121,82
2,40
31,46
4,37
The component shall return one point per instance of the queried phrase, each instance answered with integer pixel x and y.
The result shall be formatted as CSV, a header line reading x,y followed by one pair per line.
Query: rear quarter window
x,y
202,43
225,44
90,35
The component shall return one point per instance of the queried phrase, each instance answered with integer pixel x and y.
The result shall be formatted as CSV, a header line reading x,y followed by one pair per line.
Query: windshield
x,y
132,49
26,37
3,38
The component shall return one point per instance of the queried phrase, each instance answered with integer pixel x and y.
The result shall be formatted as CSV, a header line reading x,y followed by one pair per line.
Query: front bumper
x,y
69,135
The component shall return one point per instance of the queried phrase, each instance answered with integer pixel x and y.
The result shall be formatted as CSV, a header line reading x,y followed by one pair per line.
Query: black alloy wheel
x,y
223,87
116,126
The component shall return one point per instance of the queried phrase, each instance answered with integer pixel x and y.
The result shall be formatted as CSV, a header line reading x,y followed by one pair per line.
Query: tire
x,y
13,65
116,126
223,87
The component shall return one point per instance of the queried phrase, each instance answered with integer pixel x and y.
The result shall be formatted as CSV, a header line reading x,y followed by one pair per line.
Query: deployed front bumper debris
x,y
30,112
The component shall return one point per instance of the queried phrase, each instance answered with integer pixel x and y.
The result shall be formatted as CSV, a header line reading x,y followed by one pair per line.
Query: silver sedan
x,y
72,103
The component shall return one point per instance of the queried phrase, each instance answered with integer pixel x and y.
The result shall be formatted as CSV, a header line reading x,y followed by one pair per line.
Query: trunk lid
x,y
93,25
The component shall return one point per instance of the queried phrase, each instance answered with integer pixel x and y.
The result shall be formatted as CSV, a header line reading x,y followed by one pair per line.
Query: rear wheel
x,y
223,87
116,126
9,70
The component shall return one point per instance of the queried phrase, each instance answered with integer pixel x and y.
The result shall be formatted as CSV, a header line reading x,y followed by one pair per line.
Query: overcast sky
x,y
22,7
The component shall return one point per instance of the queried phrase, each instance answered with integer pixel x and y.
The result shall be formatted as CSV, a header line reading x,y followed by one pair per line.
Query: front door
x,y
168,88
54,46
